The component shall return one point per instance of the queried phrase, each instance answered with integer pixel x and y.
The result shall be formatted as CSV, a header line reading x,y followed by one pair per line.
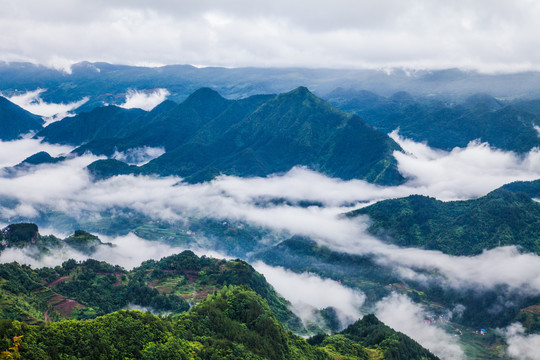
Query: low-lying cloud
x,y
520,345
13,152
139,156
31,101
66,187
401,314
463,172
308,292
128,251
146,100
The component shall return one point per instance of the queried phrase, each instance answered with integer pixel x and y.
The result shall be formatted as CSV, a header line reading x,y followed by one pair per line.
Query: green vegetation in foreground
x,y
466,227
235,323
91,288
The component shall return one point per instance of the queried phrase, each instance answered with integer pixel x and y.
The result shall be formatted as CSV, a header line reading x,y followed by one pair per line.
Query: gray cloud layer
x,y
488,35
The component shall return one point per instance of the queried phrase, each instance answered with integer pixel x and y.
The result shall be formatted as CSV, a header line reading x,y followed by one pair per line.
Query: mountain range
x,y
207,135
506,216
506,125
233,310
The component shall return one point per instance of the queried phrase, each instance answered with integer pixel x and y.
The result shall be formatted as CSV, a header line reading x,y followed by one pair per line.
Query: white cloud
x,y
401,314
144,100
128,251
13,152
67,187
463,172
482,34
307,292
138,156
31,101
520,345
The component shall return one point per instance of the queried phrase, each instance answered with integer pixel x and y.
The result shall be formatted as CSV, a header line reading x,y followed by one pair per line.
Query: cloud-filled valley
x,y
278,180
67,187
275,203
31,101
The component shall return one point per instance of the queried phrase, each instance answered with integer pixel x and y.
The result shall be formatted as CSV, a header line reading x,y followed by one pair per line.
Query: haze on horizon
x,y
489,36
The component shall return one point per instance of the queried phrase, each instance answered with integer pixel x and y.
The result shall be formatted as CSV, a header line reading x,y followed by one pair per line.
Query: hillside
x,y
207,135
291,129
80,290
15,121
99,123
235,323
443,124
458,227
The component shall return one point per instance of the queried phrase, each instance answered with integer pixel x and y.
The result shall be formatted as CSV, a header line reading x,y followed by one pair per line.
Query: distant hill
x,y
15,121
100,123
107,83
458,227
446,125
207,135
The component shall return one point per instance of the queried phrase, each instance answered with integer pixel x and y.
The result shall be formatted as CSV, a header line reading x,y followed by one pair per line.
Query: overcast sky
x,y
490,35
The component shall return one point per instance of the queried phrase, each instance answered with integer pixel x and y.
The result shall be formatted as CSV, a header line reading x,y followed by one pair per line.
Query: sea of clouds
x,y
462,173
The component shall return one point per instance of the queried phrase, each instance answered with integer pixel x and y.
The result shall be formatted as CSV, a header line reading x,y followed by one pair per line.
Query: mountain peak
x,y
300,91
205,94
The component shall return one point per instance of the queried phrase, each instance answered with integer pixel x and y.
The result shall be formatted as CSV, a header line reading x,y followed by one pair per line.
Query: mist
x,y
31,101
146,100
138,156
66,187
308,292
15,151
401,314
127,251
521,345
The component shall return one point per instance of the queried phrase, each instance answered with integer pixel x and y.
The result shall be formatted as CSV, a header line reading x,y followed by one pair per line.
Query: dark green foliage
x,y
370,332
531,188
84,242
100,123
20,234
103,288
291,129
207,135
102,169
15,121
234,324
458,227
41,157
358,271
445,125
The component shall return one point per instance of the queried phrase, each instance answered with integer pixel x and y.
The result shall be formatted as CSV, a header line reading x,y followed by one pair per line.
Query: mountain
x,y
107,83
99,123
466,227
531,188
235,312
27,236
235,323
443,124
39,158
15,121
207,135
291,129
